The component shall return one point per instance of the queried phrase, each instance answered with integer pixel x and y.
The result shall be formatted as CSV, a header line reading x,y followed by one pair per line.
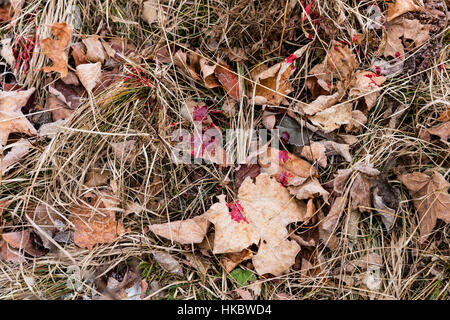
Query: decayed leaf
x,y
70,94
18,150
332,118
195,112
58,108
287,168
442,131
366,85
131,287
189,62
48,221
56,50
22,240
445,116
94,49
185,231
385,198
168,263
343,174
272,84
96,177
89,74
11,116
400,7
259,215
125,150
357,121
95,223
431,199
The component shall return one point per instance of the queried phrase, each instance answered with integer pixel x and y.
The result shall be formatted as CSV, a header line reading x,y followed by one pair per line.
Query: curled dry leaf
x,y
386,199
95,223
131,286
184,231
56,50
334,148
231,260
78,54
11,116
259,216
321,103
96,177
287,168
168,263
400,7
271,85
310,189
58,108
89,74
442,131
430,197
244,171
229,80
341,62
94,49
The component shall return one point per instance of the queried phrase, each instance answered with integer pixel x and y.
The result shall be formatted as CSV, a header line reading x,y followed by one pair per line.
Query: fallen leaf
x,y
168,263
366,85
315,152
385,198
229,81
244,171
131,286
308,190
334,148
70,94
271,85
400,7
96,177
18,150
430,197
445,116
231,260
56,50
264,209
23,240
78,54
442,131
244,294
357,121
184,231
292,132
96,223
287,168
7,52
321,103
124,151
12,119
332,118
58,108
94,49
89,74
151,11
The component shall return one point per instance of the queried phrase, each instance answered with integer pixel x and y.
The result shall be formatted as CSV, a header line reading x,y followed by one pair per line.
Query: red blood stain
x,y
284,178
378,70
283,156
397,54
237,212
291,58
354,39
200,113
370,76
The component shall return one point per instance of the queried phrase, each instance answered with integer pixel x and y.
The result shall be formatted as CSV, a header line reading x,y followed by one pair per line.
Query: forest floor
x,y
95,207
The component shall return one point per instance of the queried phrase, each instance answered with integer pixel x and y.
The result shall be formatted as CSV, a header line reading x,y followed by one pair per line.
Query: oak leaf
x,y
56,50
431,199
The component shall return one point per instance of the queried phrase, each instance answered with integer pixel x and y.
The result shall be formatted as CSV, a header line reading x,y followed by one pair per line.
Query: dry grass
x,y
54,173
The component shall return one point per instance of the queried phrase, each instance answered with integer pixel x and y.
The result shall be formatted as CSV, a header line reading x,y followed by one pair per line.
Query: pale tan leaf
x,y
332,118
89,74
400,7
94,49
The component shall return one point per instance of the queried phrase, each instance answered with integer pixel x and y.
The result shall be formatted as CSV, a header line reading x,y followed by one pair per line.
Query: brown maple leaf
x,y
96,223
57,50
430,197
266,208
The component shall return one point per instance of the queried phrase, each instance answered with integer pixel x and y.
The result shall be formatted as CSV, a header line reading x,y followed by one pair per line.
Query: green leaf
x,y
242,276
